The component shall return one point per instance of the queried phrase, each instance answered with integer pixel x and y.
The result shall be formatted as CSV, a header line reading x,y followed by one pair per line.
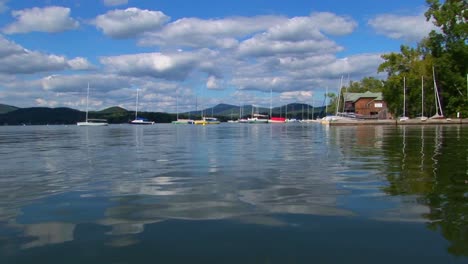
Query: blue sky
x,y
202,51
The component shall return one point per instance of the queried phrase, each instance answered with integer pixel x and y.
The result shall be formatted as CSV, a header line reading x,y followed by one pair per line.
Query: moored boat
x,y
207,121
183,122
277,120
93,122
141,121
258,118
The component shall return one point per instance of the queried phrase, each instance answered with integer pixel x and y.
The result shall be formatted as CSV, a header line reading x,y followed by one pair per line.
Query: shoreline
x,y
447,121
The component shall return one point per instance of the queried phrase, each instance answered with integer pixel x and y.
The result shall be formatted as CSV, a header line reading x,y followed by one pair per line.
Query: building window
x,y
378,105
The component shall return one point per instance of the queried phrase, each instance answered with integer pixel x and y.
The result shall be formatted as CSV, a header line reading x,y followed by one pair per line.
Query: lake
x,y
234,193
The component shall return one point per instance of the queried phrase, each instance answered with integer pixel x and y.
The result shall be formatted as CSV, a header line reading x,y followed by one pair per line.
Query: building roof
x,y
356,96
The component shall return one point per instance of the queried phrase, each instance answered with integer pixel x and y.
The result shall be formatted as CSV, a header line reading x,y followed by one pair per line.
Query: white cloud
x,y
48,19
115,2
80,63
15,59
212,83
77,83
32,62
302,74
332,24
200,33
169,66
299,35
130,22
408,28
46,103
8,48
261,46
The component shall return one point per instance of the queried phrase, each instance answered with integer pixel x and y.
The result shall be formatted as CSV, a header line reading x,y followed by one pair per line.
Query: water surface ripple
x,y
298,193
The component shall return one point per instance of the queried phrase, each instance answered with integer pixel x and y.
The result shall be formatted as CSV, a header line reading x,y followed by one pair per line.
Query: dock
x,y
394,122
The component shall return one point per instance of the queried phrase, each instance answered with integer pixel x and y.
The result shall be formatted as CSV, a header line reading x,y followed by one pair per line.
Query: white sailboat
x,y
139,120
91,122
180,121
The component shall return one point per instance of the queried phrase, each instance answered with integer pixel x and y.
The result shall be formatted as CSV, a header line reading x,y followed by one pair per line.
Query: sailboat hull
x,y
91,124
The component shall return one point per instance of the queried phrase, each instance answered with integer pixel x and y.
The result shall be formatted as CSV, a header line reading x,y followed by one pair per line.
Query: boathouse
x,y
366,105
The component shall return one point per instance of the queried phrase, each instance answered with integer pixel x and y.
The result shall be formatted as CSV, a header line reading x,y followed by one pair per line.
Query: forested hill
x,y
7,108
66,116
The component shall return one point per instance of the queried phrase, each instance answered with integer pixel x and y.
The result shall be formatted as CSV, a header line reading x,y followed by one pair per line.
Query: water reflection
x,y
125,178
440,183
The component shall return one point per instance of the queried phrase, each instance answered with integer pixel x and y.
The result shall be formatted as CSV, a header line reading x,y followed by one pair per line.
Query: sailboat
x,y
91,122
439,113
139,120
181,121
404,117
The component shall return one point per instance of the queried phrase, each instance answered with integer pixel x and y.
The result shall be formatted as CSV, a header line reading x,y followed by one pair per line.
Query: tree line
x,y
438,62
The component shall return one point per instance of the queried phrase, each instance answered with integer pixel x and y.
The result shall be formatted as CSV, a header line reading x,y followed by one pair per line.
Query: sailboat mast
x,y
136,106
339,96
271,101
326,103
422,96
87,99
313,107
177,107
437,98
404,96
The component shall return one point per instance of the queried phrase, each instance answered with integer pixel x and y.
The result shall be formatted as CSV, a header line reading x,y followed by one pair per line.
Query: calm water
x,y
234,193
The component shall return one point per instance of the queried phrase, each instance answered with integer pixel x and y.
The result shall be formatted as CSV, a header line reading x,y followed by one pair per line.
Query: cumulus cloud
x,y
212,83
169,66
115,2
130,22
201,33
80,63
29,62
15,59
299,35
50,19
299,74
261,46
408,28
76,83
332,24
8,48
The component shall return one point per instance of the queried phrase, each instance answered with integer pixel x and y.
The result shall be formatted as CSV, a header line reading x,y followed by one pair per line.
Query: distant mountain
x,y
7,108
42,116
112,110
225,111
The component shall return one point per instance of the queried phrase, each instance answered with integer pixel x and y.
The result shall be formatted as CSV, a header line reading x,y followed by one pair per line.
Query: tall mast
x,y
87,99
313,107
339,96
422,96
437,98
136,106
177,106
271,101
326,103
404,96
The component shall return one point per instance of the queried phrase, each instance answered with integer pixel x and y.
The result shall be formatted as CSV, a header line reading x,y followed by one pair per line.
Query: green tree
x,y
445,51
406,72
370,84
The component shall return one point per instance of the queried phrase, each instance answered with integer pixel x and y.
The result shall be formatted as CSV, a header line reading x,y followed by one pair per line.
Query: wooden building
x,y
366,105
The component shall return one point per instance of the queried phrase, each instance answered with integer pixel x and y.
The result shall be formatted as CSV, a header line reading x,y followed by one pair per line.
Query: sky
x,y
184,55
